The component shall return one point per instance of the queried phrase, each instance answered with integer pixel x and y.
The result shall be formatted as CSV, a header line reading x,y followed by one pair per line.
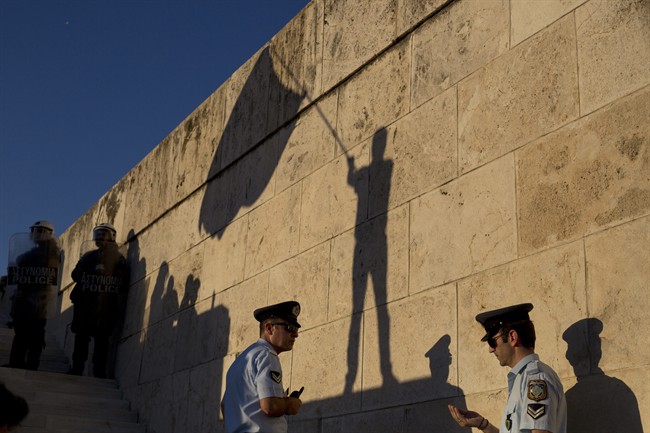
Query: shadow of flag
x,y
236,182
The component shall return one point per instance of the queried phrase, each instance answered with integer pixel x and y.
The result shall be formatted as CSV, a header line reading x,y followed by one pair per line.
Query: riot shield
x,y
33,275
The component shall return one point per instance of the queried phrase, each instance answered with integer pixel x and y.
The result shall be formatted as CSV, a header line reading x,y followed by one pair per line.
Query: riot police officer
x,y
101,278
33,271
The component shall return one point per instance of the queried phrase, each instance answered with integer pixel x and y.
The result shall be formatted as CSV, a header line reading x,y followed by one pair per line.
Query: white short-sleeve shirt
x,y
535,399
255,374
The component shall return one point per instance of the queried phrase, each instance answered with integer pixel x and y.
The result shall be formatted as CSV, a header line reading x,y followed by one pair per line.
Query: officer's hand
x,y
465,418
293,405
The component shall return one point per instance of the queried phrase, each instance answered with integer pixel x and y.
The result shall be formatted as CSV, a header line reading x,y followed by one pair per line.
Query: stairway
x,y
61,403
52,359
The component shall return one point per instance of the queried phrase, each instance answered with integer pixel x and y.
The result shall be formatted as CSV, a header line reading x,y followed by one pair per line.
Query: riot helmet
x,y
41,231
42,226
104,232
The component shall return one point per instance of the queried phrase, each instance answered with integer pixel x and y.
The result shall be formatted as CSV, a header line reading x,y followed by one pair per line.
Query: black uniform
x,y
35,273
101,278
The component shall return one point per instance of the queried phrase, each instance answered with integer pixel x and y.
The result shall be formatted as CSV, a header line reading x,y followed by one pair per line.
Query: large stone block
x,y
240,301
354,31
164,403
311,144
304,278
490,404
586,176
296,53
463,227
202,331
241,187
318,358
411,12
137,299
157,286
524,94
298,424
158,351
184,281
619,276
621,410
247,95
376,96
334,199
150,192
224,258
379,421
554,281
130,357
434,416
613,50
371,259
421,153
423,368
463,37
194,145
172,235
204,398
530,16
273,231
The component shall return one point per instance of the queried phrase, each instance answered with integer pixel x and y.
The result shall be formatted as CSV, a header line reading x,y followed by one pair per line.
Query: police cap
x,y
493,320
288,311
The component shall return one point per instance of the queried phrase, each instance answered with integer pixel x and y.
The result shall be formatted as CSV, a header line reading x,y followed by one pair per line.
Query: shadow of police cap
x,y
493,320
288,311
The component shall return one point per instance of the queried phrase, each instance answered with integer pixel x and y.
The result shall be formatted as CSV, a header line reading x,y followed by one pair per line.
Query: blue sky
x,y
89,87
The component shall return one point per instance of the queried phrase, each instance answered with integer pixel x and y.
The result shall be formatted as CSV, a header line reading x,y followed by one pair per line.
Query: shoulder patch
x,y
276,376
537,390
535,410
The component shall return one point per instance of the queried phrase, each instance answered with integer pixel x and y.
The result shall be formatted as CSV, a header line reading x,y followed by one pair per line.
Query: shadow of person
x,y
597,403
242,184
433,415
370,260
136,296
131,340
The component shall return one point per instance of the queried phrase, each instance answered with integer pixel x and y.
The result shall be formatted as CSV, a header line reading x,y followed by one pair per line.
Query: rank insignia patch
x,y
537,390
536,410
276,376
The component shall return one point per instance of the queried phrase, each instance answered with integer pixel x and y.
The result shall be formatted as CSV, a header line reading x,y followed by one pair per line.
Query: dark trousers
x,y
80,353
28,343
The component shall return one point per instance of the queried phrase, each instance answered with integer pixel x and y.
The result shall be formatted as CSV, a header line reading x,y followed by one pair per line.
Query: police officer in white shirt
x,y
536,402
254,400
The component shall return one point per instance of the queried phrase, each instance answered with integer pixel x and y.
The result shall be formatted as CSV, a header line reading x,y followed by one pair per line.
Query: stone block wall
x,y
399,166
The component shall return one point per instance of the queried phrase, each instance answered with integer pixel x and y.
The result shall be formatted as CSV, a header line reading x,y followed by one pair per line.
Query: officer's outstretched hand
x,y
465,418
293,405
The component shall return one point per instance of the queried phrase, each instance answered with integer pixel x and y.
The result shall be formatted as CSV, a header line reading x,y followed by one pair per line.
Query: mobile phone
x,y
296,394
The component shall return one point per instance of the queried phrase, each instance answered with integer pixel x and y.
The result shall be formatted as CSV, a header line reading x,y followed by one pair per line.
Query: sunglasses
x,y
492,342
290,328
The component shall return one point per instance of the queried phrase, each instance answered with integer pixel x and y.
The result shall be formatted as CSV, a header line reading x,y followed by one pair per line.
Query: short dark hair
x,y
14,408
263,324
525,330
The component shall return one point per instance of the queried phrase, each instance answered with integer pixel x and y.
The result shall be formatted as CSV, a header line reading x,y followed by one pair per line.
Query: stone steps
x,y
61,403
52,357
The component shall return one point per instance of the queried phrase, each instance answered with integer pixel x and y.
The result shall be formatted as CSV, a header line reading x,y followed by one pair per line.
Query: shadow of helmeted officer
x,y
597,403
370,259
